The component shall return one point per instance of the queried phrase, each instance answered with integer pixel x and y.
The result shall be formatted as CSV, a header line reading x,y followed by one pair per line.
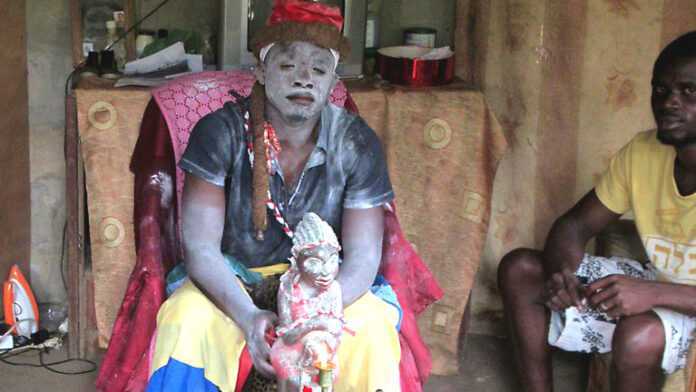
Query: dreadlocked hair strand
x,y
260,180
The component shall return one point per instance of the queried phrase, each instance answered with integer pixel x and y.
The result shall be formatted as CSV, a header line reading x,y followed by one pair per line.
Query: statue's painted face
x,y
318,266
298,78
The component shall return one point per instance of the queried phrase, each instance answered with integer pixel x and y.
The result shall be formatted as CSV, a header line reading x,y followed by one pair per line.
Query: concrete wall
x,y
396,15
196,15
49,63
15,242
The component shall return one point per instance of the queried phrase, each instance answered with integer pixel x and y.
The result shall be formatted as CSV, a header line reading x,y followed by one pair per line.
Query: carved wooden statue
x,y
310,308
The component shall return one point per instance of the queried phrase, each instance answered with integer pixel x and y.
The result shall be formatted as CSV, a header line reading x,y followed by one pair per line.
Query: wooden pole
x,y
15,192
130,10
76,31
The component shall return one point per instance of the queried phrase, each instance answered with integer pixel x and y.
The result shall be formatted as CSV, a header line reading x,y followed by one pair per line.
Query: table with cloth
x,y
442,146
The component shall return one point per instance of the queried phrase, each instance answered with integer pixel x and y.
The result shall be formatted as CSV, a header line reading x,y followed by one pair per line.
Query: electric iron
x,y
19,304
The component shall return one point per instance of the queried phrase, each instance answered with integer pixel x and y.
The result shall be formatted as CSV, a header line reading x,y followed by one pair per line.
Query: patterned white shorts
x,y
591,331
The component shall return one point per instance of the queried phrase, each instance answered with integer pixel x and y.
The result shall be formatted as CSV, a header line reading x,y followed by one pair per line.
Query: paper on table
x,y
437,54
165,58
195,62
140,81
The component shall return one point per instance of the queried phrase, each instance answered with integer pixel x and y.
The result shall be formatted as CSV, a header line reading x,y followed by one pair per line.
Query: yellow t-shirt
x,y
640,177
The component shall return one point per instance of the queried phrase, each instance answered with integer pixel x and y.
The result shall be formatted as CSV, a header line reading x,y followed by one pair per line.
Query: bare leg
x,y
637,346
521,280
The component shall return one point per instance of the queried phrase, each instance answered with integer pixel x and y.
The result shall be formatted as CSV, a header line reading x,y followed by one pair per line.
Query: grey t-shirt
x,y
346,169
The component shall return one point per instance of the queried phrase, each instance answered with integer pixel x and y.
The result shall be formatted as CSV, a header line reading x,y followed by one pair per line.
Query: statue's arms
x,y
362,251
284,303
336,298
203,224
295,329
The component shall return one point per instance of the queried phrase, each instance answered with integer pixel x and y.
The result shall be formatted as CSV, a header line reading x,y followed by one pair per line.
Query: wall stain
x,y
621,91
622,8
506,223
597,175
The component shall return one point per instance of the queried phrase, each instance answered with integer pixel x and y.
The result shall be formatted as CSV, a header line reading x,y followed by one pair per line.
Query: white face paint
x,y
319,266
298,78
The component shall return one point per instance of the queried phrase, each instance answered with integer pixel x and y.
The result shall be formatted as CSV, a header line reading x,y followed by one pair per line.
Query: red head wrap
x,y
302,20
306,12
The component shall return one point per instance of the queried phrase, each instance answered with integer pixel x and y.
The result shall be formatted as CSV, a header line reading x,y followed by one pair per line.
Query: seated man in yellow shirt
x,y
644,314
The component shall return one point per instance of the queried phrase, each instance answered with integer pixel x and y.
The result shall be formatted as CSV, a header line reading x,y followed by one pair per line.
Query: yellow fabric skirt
x,y
193,331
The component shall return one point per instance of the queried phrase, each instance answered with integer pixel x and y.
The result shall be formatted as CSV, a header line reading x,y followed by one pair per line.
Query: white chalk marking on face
x,y
264,52
298,79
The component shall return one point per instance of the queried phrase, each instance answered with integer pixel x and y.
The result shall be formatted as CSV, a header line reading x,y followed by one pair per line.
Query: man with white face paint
x,y
298,79
254,168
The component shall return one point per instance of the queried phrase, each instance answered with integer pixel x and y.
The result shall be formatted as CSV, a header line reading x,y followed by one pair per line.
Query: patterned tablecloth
x,y
443,146
109,125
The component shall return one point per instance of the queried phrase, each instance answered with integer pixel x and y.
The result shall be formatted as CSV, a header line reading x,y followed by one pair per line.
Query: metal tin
x,y
420,36
401,65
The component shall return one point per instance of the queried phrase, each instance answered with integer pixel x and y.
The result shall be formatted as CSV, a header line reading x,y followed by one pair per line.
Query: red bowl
x,y
400,65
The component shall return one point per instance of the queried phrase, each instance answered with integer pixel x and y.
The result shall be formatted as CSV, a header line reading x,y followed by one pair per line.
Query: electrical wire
x,y
62,257
49,365
76,68
5,354
67,92
136,24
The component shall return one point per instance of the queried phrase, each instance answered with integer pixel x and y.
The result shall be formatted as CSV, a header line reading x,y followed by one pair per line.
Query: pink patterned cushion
x,y
186,100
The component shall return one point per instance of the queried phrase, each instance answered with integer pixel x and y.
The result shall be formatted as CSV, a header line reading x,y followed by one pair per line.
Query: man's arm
x,y
621,295
203,224
362,251
565,244
565,247
617,295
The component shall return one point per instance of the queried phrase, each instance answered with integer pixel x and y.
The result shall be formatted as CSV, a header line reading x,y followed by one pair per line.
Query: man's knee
x,y
638,341
372,321
187,304
520,265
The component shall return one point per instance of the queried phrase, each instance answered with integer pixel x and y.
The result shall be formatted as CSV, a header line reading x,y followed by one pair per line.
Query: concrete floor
x,y
486,366
36,379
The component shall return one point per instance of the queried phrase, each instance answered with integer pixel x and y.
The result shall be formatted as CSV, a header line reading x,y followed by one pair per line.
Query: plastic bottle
x,y
371,35
372,24
119,48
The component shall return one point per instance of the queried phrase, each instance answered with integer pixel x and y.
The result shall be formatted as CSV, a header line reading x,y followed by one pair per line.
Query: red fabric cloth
x,y
416,288
245,365
305,12
126,363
